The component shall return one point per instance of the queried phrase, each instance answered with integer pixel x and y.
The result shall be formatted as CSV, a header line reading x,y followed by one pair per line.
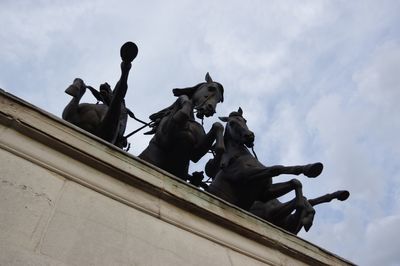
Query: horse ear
x,y
208,78
223,118
240,111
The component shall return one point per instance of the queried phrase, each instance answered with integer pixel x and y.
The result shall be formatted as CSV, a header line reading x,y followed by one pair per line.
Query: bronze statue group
x,y
234,174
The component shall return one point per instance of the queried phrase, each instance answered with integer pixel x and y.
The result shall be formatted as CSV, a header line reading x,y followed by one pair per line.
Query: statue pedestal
x,y
70,198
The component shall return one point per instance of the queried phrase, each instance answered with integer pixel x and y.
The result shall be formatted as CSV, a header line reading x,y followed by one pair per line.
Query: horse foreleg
x,y
70,113
302,217
280,212
309,170
340,195
279,189
183,114
215,134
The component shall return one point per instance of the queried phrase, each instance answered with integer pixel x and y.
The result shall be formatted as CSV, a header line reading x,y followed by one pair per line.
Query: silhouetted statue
x,y
108,119
239,178
281,214
178,137
105,95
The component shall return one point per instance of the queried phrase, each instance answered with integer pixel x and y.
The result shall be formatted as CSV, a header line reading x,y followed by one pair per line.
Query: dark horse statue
x,y
178,137
238,176
287,216
108,119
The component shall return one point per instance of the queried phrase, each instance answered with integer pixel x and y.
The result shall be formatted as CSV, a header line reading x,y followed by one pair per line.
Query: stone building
x,y
69,198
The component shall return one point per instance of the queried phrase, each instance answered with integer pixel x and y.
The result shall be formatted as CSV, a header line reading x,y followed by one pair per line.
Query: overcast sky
x,y
317,80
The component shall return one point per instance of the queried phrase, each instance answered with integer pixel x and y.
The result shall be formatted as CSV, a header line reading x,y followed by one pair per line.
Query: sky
x,y
317,81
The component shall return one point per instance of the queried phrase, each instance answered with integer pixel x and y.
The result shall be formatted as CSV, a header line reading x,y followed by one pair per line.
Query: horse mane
x,y
235,113
189,92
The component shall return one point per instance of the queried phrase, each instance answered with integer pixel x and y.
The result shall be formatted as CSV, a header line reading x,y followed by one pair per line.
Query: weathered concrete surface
x,y
69,198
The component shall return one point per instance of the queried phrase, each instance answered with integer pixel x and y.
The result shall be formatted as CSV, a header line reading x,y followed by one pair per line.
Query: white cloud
x,y
378,82
358,134
382,242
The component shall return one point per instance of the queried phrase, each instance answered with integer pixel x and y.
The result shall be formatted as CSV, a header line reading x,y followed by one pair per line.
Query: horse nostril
x,y
209,107
249,136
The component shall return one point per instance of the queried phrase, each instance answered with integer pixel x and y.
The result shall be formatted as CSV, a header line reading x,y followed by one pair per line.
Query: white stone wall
x,y
68,198
46,219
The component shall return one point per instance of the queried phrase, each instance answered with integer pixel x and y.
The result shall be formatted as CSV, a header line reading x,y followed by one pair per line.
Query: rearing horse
x,y
282,215
108,120
179,138
241,179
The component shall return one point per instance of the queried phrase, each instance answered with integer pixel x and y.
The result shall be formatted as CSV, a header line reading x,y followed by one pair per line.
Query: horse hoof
x,y
129,51
343,195
307,226
72,90
77,88
313,170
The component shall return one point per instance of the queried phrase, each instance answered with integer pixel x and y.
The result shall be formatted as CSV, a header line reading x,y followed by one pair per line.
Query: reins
x,y
254,153
202,119
99,99
149,124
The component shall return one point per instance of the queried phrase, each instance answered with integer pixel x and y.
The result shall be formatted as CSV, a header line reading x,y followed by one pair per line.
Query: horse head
x,y
236,129
205,96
